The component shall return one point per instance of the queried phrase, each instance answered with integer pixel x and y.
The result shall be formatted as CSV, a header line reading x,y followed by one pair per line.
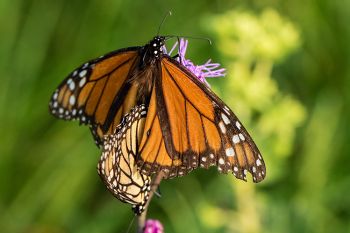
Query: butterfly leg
x,y
157,192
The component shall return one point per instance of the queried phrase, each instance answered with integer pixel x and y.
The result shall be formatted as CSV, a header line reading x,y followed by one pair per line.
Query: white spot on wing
x,y
235,139
82,82
225,118
82,73
71,86
238,125
72,100
241,137
222,127
258,162
221,161
230,152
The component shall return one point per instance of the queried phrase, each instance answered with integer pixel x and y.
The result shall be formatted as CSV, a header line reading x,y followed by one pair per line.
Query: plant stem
x,y
141,220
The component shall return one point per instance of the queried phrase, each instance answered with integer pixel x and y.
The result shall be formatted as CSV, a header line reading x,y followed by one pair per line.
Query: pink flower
x,y
153,226
207,70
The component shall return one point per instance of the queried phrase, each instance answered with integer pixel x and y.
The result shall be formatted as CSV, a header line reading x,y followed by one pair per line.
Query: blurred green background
x,y
288,79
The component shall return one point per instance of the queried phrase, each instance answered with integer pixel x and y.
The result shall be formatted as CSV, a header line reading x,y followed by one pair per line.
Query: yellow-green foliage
x,y
251,45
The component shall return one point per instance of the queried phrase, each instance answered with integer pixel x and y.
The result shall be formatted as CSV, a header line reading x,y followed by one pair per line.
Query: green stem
x,y
141,220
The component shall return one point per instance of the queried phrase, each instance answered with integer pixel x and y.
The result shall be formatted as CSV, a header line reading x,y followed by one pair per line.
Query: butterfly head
x,y
156,46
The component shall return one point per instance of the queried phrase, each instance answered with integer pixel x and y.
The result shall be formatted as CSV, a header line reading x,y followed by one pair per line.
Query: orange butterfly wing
x,y
97,93
188,126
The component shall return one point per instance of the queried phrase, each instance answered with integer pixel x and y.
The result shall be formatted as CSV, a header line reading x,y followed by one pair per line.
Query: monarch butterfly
x,y
117,164
186,126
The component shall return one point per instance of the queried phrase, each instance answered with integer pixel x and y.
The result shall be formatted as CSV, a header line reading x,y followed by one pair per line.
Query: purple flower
x,y
207,70
153,226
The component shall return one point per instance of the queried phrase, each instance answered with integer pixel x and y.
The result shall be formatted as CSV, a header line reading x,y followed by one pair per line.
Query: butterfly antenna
x,y
188,37
163,20
132,220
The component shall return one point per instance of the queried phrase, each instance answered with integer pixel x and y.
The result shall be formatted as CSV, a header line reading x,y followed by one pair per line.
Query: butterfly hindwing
x,y
117,166
197,128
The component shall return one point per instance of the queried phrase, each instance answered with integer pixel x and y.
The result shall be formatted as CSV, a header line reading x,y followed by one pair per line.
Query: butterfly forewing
x,y
198,130
92,91
117,166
